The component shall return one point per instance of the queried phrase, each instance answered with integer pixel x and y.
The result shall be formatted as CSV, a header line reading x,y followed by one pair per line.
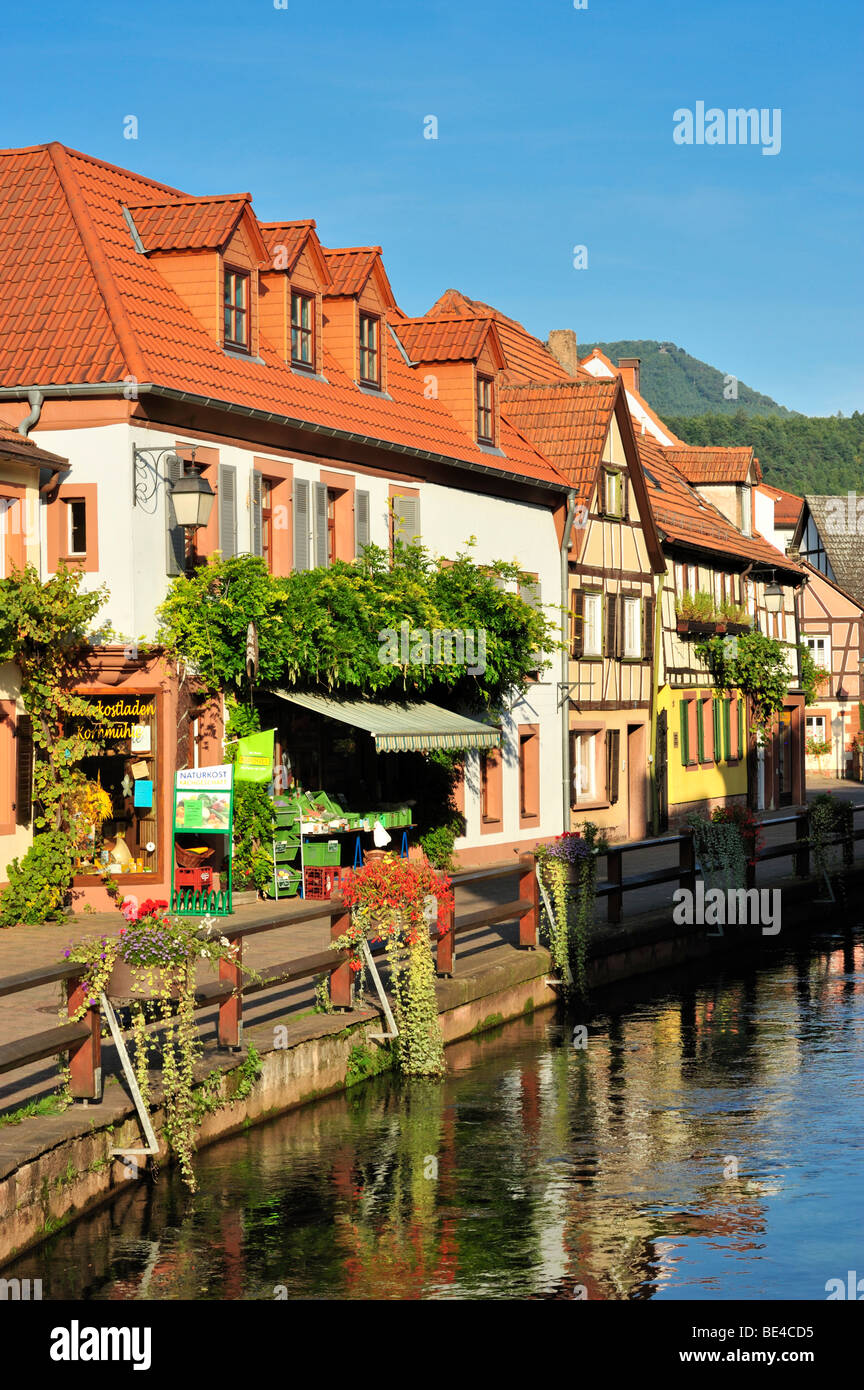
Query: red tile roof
x,y
443,340
287,237
687,519
568,422
787,505
652,415
23,450
350,267
180,224
714,463
82,305
527,358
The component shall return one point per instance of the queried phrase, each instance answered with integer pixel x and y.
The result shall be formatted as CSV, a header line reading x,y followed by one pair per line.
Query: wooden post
x,y
230,1027
446,943
340,975
615,874
687,862
85,1060
529,889
802,856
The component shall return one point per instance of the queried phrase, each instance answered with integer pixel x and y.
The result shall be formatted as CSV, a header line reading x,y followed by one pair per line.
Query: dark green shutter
x,y
742,744
685,732
24,779
611,625
718,744
613,762
700,732
727,728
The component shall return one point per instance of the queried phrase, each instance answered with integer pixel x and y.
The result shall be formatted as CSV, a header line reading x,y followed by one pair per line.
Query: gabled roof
x,y
82,305
832,583
184,224
350,268
286,241
448,339
527,359
787,505
714,463
686,519
23,450
841,540
568,421
597,364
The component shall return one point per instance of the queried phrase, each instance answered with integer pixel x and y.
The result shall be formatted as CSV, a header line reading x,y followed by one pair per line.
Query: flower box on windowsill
x,y
736,629
697,627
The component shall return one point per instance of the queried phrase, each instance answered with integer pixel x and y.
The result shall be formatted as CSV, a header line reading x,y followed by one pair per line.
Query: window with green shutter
x,y
742,732
718,744
727,728
685,732
700,733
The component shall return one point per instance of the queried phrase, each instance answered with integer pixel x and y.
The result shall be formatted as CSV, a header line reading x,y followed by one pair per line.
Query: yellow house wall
x,y
704,781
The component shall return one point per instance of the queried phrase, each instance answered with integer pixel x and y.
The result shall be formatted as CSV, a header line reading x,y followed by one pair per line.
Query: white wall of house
x,y
132,563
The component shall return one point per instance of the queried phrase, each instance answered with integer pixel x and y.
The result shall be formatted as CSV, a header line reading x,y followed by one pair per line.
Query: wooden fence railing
x,y
83,1040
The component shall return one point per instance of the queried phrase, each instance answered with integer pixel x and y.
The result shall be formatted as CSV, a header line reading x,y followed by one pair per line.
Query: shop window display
x,y
119,826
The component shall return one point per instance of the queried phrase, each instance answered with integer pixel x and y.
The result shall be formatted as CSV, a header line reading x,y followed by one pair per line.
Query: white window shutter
x,y
322,556
361,522
301,524
175,535
227,511
256,521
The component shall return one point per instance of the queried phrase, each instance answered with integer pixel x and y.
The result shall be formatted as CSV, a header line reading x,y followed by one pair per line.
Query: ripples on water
x,y
707,1143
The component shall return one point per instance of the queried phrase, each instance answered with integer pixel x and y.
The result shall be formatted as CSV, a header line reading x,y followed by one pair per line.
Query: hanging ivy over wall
x,y
755,665
46,629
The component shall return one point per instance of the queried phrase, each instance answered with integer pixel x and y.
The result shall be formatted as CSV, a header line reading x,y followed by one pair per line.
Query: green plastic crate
x,y
287,880
286,851
322,853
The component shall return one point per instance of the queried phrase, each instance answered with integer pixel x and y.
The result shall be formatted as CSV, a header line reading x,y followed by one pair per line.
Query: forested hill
x,y
674,383
800,453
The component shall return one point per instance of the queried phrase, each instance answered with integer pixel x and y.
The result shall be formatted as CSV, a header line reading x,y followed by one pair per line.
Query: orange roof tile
x,y
568,422
83,305
685,518
179,224
350,267
787,505
443,340
643,404
714,463
24,450
287,237
528,360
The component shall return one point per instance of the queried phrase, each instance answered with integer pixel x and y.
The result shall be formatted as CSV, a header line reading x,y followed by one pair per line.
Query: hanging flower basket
x,y
131,982
698,627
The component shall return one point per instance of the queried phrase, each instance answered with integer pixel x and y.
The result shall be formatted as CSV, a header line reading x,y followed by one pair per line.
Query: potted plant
x,y
568,872
736,616
390,898
697,615
151,964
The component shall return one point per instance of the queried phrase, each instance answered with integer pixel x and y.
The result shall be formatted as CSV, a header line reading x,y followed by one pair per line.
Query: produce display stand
x,y
204,807
305,823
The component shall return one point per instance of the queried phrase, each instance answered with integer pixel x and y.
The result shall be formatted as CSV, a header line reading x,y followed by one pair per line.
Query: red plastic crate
x,y
321,883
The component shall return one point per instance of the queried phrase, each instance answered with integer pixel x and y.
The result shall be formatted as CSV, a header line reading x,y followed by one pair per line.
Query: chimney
x,y
629,369
564,348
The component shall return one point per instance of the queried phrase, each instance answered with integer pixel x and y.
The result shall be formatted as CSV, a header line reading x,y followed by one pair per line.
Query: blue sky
x,y
554,130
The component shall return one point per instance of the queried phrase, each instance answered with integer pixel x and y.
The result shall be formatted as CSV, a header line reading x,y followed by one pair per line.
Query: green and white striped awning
x,y
415,728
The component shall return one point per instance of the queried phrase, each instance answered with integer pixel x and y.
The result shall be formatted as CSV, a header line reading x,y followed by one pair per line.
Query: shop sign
x,y
119,719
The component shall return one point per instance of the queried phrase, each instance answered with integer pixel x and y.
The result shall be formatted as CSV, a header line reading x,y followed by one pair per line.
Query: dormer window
x,y
485,410
236,301
302,330
370,356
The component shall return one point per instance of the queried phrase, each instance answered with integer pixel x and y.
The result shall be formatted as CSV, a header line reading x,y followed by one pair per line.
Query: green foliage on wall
x,y
322,628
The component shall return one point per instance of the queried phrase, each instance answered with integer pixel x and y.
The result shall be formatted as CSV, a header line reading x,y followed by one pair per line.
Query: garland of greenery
x,y
828,817
568,868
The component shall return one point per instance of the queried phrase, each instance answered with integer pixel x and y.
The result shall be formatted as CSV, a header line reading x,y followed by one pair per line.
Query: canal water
x,y
707,1142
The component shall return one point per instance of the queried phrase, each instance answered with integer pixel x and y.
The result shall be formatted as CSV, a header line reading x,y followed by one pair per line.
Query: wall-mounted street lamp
x,y
193,499
773,595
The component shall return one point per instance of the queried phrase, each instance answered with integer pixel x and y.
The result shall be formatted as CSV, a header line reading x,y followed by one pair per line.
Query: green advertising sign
x,y
255,757
204,806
